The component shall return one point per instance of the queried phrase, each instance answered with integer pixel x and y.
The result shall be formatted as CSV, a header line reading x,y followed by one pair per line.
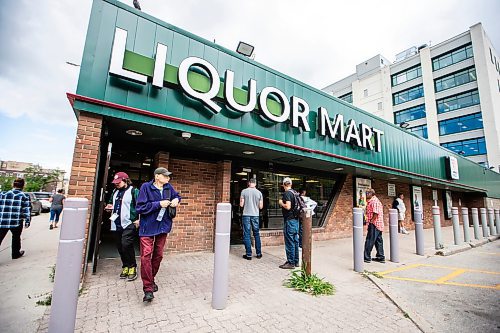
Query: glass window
x,y
457,101
346,98
468,147
452,57
455,79
417,112
461,124
407,95
407,75
419,130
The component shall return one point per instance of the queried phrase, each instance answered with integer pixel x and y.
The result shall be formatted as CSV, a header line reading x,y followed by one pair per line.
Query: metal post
x,y
465,221
456,225
475,222
491,218
68,266
484,223
393,234
419,232
221,256
497,220
307,241
436,218
357,239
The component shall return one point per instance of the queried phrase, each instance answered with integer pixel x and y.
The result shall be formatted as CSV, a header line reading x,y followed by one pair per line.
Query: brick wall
x,y
84,165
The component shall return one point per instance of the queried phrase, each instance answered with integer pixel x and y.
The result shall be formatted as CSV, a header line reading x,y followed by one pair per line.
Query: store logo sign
x,y
272,102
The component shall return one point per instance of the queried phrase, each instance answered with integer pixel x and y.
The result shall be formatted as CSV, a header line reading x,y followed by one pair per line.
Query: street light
x,y
245,49
404,124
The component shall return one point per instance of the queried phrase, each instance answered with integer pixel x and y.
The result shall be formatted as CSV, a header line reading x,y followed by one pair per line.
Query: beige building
x,y
17,169
448,93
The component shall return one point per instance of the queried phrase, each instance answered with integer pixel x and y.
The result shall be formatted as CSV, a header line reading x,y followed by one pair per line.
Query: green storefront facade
x,y
160,96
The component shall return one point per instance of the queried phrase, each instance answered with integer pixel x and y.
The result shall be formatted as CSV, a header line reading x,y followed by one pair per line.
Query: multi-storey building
x,y
18,169
448,93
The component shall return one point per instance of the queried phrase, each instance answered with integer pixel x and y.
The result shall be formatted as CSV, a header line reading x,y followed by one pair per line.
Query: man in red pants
x,y
152,204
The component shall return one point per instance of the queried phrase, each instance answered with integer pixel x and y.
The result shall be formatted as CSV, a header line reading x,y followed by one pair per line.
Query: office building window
x,y
452,57
455,79
366,92
407,75
379,106
468,147
346,98
458,101
407,95
420,131
417,112
461,124
491,57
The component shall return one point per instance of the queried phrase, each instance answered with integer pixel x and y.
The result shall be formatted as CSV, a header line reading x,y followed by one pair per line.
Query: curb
x,y
466,246
400,303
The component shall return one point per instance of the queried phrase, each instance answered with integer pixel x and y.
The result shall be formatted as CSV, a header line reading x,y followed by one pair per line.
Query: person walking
x,y
375,220
252,201
56,207
15,208
290,225
125,221
156,222
400,206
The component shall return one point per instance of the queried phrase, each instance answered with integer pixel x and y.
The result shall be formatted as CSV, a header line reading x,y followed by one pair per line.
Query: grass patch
x,y
45,301
52,273
375,274
312,284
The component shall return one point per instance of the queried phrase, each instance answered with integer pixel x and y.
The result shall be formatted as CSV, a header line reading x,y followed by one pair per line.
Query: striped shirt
x,y
375,206
15,206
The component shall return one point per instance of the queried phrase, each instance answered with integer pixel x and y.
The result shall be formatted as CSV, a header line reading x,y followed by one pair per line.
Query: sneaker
x,y
296,265
247,257
258,256
405,231
155,287
51,227
382,261
148,296
124,273
21,253
132,274
368,261
287,265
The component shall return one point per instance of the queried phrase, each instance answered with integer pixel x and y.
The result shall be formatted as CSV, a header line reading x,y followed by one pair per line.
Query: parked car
x,y
44,199
36,205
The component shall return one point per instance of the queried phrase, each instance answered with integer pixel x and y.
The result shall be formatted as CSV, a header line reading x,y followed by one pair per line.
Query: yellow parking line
x,y
458,268
497,287
490,253
450,276
402,268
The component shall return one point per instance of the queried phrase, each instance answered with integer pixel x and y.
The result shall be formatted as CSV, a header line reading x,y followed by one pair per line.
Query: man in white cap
x,y
290,225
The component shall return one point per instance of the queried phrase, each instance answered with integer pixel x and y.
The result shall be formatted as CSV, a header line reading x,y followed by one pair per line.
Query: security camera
x,y
186,135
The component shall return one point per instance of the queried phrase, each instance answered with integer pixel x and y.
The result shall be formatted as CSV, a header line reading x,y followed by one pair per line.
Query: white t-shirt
x,y
401,209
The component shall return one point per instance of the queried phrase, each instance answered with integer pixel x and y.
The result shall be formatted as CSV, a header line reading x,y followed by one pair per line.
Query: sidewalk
x,y
25,280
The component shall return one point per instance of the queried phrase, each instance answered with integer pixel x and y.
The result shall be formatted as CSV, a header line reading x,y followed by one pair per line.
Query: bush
x,y
312,284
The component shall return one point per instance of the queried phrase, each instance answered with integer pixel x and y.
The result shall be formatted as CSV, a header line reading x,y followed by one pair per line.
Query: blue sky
x,y
317,42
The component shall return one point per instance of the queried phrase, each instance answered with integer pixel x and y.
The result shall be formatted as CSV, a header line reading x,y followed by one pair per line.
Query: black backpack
x,y
298,206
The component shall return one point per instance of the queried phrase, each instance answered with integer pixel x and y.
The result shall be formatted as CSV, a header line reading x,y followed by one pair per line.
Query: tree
x,y
36,178
6,182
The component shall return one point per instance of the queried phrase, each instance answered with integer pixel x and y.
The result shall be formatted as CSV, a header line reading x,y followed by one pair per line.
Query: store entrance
x,y
320,187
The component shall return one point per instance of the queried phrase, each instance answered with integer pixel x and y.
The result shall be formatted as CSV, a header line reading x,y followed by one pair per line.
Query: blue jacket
x,y
148,206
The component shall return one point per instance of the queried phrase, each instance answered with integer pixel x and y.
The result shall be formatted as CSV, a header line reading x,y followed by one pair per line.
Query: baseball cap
x,y
287,180
162,171
119,176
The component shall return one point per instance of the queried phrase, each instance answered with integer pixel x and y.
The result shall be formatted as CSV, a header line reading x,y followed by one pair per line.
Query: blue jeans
x,y
252,221
374,237
291,234
55,213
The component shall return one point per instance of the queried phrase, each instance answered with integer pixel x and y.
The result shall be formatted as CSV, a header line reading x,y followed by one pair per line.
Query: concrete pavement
x,y
25,280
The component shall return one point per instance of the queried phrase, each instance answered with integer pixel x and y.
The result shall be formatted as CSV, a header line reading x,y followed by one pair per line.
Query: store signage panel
x,y
452,168
274,105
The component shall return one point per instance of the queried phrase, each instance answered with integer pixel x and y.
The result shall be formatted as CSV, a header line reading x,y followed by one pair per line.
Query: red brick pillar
x,y
162,159
223,181
84,166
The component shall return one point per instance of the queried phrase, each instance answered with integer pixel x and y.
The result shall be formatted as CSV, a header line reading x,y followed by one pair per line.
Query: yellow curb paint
x,y
450,276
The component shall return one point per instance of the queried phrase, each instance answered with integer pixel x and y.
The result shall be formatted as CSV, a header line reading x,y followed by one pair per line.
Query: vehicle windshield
x,y
42,195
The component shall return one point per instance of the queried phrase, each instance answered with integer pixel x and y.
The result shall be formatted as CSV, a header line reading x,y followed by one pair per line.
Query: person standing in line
x,y
154,198
400,206
375,220
311,204
125,221
56,207
252,201
290,226
15,207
